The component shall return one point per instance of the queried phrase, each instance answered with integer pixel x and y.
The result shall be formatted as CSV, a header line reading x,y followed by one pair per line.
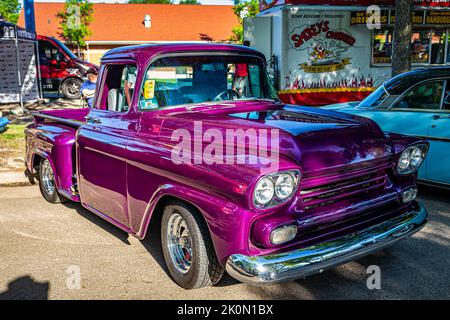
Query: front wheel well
x,y
155,220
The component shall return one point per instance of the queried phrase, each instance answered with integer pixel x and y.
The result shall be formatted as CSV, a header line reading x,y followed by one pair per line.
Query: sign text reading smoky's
x,y
321,57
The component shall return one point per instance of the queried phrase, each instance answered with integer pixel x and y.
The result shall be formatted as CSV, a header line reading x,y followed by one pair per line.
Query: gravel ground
x,y
39,242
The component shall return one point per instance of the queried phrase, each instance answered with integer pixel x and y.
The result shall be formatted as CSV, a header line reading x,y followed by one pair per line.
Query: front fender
x,y
228,224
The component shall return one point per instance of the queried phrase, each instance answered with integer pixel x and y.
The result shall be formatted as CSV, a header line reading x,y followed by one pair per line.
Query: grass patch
x,y
12,148
13,138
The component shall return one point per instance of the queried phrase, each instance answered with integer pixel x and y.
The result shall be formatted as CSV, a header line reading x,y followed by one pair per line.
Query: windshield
x,y
374,99
64,48
196,79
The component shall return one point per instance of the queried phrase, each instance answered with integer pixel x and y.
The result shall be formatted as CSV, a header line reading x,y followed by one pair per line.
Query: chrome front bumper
x,y
314,259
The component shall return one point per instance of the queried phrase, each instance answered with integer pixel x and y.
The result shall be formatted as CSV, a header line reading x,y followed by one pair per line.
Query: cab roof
x,y
143,53
402,82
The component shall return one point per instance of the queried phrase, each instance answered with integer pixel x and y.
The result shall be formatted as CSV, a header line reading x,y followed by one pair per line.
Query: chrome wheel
x,y
73,88
48,178
179,243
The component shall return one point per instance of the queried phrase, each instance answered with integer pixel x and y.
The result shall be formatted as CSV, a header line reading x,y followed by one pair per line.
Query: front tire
x,y
70,88
187,248
47,183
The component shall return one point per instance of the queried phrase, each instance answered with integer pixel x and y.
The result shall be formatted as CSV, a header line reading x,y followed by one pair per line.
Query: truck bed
x,y
71,117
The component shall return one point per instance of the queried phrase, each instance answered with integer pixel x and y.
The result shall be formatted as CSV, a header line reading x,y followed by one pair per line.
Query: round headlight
x,y
284,186
264,191
416,157
411,159
403,162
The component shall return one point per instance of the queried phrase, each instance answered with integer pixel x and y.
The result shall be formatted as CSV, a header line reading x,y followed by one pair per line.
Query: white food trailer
x,y
324,51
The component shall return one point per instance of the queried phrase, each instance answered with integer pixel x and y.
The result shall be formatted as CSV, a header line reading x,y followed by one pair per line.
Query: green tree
x,y
243,9
152,1
9,10
189,2
75,19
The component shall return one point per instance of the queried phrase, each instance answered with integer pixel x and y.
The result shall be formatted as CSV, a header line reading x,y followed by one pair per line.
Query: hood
x,y
85,66
315,139
341,106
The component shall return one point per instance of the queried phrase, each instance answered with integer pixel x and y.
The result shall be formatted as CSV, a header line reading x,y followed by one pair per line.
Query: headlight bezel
x,y
276,200
261,182
406,155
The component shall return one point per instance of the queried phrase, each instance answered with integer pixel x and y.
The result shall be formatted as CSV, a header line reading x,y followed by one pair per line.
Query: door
x,y
438,159
412,113
102,144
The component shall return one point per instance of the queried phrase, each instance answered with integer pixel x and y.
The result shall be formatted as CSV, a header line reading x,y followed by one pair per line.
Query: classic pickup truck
x,y
170,141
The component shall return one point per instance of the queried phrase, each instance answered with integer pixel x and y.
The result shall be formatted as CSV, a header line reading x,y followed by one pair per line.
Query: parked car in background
x,y
415,103
339,189
61,71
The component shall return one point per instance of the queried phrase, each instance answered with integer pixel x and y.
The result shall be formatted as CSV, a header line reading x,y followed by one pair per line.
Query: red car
x,y
61,70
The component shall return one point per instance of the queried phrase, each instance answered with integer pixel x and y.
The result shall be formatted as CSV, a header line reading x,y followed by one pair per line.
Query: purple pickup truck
x,y
191,138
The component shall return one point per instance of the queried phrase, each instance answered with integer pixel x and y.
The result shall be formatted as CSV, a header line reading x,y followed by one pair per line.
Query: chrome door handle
x,y
436,116
93,120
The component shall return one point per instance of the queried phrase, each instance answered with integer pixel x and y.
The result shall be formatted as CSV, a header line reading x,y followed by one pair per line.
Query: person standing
x,y
89,86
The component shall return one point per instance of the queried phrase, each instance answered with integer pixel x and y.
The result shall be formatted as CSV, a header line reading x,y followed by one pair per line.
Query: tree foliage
x,y
189,2
243,9
9,10
75,19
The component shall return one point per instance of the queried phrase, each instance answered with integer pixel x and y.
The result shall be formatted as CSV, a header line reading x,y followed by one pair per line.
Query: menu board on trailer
x,y
427,17
267,4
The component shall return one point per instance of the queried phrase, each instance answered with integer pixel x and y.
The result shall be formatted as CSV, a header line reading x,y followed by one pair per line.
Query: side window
x,y
427,96
247,80
47,51
446,103
255,80
186,80
118,87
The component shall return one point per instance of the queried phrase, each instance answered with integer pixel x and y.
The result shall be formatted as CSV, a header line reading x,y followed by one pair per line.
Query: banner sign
x,y
360,17
419,17
9,31
437,17
267,4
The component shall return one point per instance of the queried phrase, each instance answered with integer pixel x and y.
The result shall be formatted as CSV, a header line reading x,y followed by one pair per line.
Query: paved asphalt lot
x,y
39,241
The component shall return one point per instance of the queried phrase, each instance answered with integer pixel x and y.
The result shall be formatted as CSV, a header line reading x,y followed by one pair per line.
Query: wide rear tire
x,y
187,247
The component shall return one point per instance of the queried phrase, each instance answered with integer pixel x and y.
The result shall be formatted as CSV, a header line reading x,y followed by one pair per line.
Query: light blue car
x,y
415,103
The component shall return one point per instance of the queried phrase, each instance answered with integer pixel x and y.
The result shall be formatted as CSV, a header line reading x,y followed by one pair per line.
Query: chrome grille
x,y
341,189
